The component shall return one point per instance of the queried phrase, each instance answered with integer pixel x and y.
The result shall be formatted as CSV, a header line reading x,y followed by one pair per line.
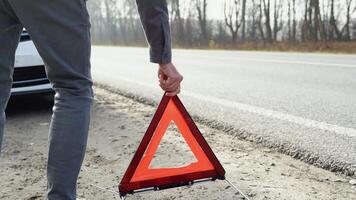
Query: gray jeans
x,y
60,31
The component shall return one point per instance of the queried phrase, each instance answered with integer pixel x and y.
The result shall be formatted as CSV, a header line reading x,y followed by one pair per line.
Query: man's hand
x,y
169,79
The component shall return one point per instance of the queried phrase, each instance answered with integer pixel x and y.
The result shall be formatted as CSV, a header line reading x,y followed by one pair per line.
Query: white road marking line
x,y
340,130
275,114
278,61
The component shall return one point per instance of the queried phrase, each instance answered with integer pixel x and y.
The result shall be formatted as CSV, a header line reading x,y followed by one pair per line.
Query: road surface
x,y
302,104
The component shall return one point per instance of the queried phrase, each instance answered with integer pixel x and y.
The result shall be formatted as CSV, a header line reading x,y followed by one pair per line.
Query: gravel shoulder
x,y
118,125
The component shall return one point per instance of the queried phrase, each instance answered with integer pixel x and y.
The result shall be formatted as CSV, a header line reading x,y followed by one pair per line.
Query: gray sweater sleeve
x,y
155,22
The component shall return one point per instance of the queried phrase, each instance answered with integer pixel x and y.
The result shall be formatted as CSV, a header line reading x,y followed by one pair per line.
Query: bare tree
x,y
201,7
254,20
289,22
97,20
348,18
313,27
305,25
318,23
191,26
294,24
243,20
277,15
177,22
259,21
333,23
111,16
231,11
267,12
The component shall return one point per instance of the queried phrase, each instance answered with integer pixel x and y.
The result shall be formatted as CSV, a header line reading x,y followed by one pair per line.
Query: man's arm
x,y
155,22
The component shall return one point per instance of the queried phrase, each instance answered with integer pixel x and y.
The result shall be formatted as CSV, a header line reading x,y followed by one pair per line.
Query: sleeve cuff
x,y
160,55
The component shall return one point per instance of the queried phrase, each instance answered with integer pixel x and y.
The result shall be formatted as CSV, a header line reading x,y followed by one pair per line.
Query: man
x,y
60,31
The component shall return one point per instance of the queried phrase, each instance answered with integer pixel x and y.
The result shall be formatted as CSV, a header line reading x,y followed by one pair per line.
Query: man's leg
x,y
10,30
60,31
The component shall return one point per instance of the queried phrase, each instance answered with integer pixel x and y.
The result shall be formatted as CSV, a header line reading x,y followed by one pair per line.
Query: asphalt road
x,y
303,104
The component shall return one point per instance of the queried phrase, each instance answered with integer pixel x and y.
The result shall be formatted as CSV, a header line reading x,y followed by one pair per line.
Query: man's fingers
x,y
172,87
171,94
161,77
170,81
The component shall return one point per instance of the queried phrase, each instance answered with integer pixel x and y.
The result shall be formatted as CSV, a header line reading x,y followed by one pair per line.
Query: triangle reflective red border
x,y
140,176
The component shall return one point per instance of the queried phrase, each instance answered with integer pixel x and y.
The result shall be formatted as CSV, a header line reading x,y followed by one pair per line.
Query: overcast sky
x,y
215,8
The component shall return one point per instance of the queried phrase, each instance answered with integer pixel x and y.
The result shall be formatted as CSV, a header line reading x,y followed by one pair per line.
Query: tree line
x,y
116,22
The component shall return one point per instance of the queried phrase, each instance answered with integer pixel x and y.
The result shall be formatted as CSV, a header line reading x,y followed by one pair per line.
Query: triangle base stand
x,y
165,187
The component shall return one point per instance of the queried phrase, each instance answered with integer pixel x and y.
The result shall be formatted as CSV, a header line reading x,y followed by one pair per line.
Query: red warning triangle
x,y
140,175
